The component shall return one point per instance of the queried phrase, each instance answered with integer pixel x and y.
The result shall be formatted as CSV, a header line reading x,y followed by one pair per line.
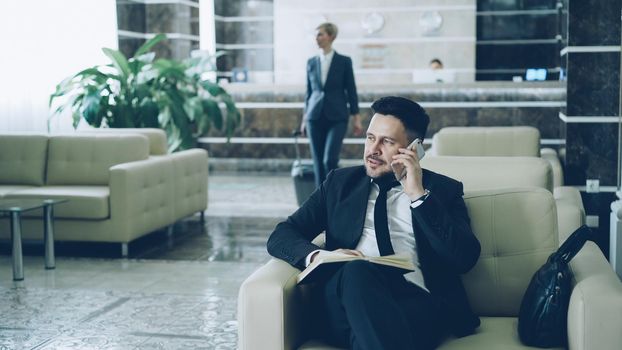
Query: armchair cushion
x,y
479,172
487,141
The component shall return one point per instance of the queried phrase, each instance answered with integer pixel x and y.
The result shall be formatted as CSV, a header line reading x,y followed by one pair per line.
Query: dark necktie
x,y
381,223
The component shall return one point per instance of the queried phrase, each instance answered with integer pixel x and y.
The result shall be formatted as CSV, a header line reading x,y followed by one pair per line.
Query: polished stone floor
x,y
170,294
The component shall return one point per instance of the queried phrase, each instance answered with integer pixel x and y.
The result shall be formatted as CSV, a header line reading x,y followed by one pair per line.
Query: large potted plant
x,y
146,92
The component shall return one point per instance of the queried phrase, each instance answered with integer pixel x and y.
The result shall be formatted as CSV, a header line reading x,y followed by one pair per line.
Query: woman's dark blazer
x,y
337,96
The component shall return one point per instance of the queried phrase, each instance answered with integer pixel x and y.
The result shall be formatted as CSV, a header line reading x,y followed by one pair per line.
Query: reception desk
x,y
271,112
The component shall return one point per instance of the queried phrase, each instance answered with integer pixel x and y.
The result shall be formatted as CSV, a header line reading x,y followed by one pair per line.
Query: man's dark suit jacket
x,y
338,92
446,245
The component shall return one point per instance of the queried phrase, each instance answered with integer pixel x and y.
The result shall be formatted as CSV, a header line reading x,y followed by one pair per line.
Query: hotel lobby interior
x,y
147,232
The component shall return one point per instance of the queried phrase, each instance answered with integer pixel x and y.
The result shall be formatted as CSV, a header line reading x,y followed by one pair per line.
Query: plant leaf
x,y
89,108
213,115
119,62
146,47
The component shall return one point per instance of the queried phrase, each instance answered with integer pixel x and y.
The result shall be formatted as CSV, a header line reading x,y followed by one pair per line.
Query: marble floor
x,y
170,294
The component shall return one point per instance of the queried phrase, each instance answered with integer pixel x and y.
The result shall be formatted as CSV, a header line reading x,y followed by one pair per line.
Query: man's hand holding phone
x,y
408,170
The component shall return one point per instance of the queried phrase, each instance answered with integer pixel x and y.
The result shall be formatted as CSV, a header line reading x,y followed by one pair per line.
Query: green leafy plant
x,y
146,92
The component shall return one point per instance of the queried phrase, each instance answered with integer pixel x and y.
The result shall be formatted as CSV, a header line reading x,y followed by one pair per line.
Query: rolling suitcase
x,y
302,174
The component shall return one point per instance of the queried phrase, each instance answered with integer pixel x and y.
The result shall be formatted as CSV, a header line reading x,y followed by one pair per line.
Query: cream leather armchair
x,y
477,173
517,229
499,141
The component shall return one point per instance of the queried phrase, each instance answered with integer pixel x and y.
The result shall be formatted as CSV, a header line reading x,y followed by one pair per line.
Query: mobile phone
x,y
417,146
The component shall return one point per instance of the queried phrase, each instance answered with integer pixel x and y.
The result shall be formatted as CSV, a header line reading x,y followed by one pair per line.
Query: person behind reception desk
x,y
435,73
436,64
331,97
365,211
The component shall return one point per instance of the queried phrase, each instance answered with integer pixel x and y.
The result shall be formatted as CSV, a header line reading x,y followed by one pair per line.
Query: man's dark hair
x,y
436,60
409,112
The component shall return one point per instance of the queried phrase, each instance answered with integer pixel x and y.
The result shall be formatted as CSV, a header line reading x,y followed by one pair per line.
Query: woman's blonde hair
x,y
329,28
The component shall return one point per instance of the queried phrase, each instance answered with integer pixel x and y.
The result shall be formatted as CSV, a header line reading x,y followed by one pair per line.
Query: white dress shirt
x,y
325,61
400,229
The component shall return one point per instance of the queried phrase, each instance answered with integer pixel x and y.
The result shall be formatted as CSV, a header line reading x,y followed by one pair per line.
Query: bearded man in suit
x,y
364,210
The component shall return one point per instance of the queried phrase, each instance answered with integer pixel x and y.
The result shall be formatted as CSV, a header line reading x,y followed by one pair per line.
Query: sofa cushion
x,y
84,202
487,141
157,137
498,333
22,159
6,189
85,159
517,230
478,173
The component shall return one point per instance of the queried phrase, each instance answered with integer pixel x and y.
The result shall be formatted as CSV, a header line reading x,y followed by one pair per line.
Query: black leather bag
x,y
544,309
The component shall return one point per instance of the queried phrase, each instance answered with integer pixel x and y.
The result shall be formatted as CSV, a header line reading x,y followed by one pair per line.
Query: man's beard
x,y
377,172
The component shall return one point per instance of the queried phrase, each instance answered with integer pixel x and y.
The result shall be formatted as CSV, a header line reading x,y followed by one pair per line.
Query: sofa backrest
x,y
477,173
85,159
22,159
517,229
157,137
509,141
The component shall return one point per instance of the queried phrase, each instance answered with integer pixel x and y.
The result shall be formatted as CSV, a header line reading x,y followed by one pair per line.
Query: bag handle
x,y
573,244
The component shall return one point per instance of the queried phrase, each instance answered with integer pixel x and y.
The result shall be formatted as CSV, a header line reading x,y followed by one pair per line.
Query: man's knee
x,y
358,272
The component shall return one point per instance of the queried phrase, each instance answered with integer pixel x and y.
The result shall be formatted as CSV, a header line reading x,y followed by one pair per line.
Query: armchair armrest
x,y
140,195
270,308
570,211
558,173
190,169
595,312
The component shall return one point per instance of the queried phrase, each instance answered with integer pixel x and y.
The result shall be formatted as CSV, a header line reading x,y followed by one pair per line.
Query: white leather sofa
x,y
506,141
189,166
517,229
117,192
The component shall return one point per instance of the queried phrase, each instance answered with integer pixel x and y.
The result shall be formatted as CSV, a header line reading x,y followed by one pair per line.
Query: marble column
x,y
179,20
592,60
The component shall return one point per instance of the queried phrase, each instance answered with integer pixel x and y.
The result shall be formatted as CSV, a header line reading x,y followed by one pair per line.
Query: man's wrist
x,y
418,201
417,194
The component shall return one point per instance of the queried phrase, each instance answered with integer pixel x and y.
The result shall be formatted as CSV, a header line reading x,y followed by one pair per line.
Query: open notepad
x,y
327,263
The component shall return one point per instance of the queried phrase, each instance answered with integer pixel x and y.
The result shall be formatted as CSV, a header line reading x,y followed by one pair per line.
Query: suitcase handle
x,y
296,133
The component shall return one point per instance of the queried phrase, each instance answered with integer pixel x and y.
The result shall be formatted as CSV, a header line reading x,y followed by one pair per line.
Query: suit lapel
x,y
318,71
355,210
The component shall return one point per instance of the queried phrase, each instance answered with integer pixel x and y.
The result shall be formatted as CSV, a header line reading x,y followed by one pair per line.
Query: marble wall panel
x,y
258,122
251,59
496,56
599,204
273,151
594,22
537,26
131,16
169,18
593,83
194,21
244,32
482,91
233,8
129,45
175,48
505,5
591,153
